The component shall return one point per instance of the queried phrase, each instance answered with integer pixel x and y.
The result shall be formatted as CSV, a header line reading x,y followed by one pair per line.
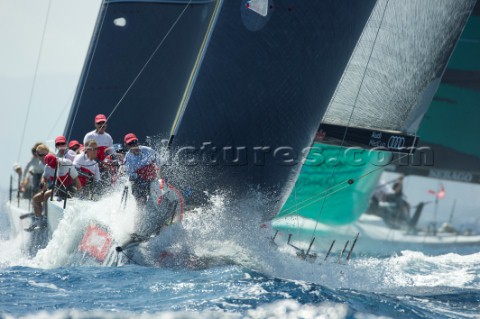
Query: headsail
x,y
139,65
450,130
396,69
387,86
228,75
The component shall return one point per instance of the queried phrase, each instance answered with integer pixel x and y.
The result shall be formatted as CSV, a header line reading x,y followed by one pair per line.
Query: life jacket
x,y
65,180
148,173
101,152
84,175
111,164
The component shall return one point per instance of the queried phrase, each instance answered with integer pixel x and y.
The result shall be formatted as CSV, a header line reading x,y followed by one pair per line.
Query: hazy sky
x,y
67,35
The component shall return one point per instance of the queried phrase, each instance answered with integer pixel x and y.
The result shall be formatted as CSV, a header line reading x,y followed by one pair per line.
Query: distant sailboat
x,y
387,87
454,158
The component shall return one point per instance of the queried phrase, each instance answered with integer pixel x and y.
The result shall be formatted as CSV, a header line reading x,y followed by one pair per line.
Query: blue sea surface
x,y
247,278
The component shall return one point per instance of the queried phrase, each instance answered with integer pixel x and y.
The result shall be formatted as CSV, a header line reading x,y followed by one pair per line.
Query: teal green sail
x,y
335,184
387,87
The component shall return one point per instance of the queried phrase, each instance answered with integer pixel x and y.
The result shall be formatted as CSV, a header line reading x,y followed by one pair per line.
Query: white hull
x,y
88,232
376,238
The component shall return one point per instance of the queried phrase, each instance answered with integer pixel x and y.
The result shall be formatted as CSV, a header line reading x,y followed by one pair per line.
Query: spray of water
x,y
229,231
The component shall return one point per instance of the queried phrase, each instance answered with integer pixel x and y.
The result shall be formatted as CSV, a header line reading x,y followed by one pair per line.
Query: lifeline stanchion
x,y
353,246
123,200
18,190
343,250
329,250
54,182
11,188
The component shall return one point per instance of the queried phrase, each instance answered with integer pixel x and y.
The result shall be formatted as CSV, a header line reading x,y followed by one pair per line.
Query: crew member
x,y
75,146
113,163
103,139
87,166
62,150
66,177
141,166
30,183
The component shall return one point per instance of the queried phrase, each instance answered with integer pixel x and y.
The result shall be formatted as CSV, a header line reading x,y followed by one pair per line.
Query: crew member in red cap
x,y
103,139
87,166
113,163
62,150
141,166
75,146
66,177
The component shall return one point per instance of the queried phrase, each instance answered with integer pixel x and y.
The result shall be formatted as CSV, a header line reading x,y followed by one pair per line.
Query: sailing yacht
x,y
339,211
238,81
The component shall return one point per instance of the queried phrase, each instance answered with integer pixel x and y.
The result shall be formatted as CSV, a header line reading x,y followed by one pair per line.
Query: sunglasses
x,y
101,123
132,143
42,155
60,144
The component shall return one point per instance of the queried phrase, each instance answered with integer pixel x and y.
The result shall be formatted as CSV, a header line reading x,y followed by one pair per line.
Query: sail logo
x,y
258,6
459,176
396,142
96,242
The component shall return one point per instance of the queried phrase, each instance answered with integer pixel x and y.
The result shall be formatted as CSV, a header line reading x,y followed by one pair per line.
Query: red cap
x,y
130,137
50,160
100,118
60,139
73,143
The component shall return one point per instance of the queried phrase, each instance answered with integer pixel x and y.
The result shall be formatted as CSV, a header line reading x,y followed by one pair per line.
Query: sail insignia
x,y
258,6
120,22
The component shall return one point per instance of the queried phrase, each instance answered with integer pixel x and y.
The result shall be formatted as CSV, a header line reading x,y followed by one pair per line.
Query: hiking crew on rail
x,y
91,168
60,176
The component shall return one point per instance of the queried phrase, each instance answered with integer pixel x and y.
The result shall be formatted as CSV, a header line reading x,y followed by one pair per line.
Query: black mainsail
x,y
139,63
245,82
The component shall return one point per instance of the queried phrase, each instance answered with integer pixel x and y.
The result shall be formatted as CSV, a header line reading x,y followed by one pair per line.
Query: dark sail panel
x,y
450,128
261,92
251,79
146,50
397,65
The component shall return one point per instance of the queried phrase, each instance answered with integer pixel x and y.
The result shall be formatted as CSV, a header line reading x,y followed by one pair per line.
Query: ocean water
x,y
241,275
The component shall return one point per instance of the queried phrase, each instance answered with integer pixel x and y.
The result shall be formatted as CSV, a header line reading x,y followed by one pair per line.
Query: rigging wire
x,y
351,113
89,63
326,112
316,198
34,80
149,59
67,104
138,74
